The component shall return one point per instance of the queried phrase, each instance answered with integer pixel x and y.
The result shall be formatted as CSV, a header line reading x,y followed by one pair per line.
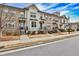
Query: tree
x,y
4,15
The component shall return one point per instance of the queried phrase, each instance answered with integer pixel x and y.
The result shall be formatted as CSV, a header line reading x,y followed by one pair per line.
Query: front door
x,y
22,27
40,25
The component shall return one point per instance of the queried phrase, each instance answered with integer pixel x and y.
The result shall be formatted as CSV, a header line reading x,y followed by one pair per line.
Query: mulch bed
x,y
9,38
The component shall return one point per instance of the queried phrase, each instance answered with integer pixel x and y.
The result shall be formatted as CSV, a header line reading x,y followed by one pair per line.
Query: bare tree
x,y
3,17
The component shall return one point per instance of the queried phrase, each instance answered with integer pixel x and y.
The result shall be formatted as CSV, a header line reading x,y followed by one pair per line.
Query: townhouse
x,y
14,21
64,22
74,26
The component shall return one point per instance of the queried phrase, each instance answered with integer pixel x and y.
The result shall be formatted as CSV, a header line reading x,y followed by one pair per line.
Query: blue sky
x,y
69,9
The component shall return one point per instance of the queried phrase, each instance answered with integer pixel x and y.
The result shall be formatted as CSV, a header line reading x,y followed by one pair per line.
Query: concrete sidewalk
x,y
50,37
54,36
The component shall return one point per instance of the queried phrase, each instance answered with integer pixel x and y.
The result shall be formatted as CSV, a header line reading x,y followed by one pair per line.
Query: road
x,y
67,47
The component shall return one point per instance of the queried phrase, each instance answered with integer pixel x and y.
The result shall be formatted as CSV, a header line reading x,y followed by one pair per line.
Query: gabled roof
x,y
48,13
43,12
38,9
31,6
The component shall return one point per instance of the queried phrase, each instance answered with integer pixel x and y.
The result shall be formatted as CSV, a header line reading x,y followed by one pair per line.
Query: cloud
x,y
54,10
52,5
67,6
40,6
76,7
46,7
62,9
51,11
64,12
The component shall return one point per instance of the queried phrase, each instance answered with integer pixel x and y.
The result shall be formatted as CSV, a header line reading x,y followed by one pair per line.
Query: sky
x,y
69,9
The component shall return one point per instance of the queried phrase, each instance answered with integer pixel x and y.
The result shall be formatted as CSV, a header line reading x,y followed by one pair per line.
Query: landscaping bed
x,y
8,38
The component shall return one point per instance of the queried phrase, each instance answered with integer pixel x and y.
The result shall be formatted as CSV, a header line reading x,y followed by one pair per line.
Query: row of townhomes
x,y
74,25
27,20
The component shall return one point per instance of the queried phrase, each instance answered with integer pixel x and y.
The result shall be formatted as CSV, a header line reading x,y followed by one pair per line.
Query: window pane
x,y
33,24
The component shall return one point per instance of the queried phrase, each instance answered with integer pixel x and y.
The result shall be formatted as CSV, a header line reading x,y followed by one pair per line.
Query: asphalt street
x,y
67,47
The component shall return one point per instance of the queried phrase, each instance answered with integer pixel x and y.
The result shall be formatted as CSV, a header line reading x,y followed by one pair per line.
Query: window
x,y
10,24
33,24
64,21
46,17
49,18
33,15
21,28
40,17
21,14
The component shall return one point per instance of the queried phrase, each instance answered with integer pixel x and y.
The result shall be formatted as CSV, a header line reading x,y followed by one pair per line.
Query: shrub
x,y
29,32
8,33
62,30
54,31
16,34
70,30
40,32
1,47
50,32
34,32
77,29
